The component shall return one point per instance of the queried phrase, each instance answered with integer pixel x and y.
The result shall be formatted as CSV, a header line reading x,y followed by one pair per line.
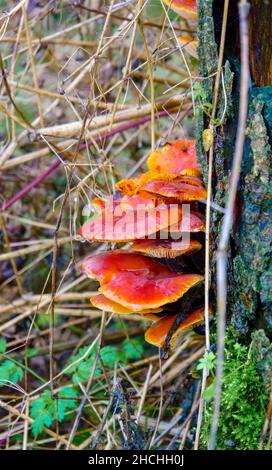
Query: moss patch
x,y
244,400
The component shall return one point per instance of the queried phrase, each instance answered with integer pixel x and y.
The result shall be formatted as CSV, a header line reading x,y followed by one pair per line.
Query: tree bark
x,y
250,251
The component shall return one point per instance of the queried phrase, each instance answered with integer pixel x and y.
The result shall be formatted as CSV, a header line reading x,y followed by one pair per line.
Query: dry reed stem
x,y
61,110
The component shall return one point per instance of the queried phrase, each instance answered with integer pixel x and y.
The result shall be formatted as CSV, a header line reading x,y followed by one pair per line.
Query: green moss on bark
x,y
253,266
250,253
244,399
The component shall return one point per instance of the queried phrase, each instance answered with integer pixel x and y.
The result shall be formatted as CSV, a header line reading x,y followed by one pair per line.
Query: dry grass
x,y
87,89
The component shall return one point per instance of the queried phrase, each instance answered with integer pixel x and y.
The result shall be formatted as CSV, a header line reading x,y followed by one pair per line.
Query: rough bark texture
x,y
249,262
260,37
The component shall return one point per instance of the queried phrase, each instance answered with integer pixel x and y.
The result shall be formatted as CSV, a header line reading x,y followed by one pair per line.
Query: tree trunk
x,y
250,252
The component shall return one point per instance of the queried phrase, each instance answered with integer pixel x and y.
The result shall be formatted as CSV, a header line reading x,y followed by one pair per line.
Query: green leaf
x,y
10,371
43,411
199,92
110,355
209,391
46,409
208,360
81,352
207,105
31,352
81,371
66,403
3,345
132,349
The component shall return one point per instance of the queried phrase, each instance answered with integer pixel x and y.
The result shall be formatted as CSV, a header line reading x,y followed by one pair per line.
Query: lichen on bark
x,y
252,265
208,57
249,255
262,351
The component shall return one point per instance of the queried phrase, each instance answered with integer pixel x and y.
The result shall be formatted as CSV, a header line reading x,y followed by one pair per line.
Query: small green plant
x,y
10,371
132,349
243,400
81,365
110,355
208,361
200,97
47,409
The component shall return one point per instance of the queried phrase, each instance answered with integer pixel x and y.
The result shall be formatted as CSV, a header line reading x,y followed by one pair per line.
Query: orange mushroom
x,y
132,187
103,303
157,333
109,202
140,200
177,157
121,225
137,282
130,280
185,8
191,222
105,266
176,190
141,291
164,248
190,45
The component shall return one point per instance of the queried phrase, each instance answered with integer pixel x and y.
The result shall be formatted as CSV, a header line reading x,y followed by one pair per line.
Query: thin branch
x,y
228,217
208,218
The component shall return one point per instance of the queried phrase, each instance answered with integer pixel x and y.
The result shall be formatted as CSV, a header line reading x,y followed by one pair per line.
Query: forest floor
x,y
71,376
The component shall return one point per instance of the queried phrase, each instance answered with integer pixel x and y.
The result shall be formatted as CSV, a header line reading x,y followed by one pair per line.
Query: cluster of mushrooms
x,y
152,272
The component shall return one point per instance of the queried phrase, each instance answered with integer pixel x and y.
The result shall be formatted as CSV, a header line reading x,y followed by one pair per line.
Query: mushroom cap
x,y
176,190
141,200
185,8
109,202
140,292
164,248
103,303
135,191
192,222
177,157
106,265
131,186
120,226
137,282
152,315
158,332
190,45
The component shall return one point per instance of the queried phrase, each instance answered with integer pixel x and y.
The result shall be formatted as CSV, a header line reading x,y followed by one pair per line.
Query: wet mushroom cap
x,y
139,201
128,185
176,190
110,203
103,303
192,222
122,225
131,186
157,333
104,266
137,282
185,8
164,248
141,291
134,187
177,157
